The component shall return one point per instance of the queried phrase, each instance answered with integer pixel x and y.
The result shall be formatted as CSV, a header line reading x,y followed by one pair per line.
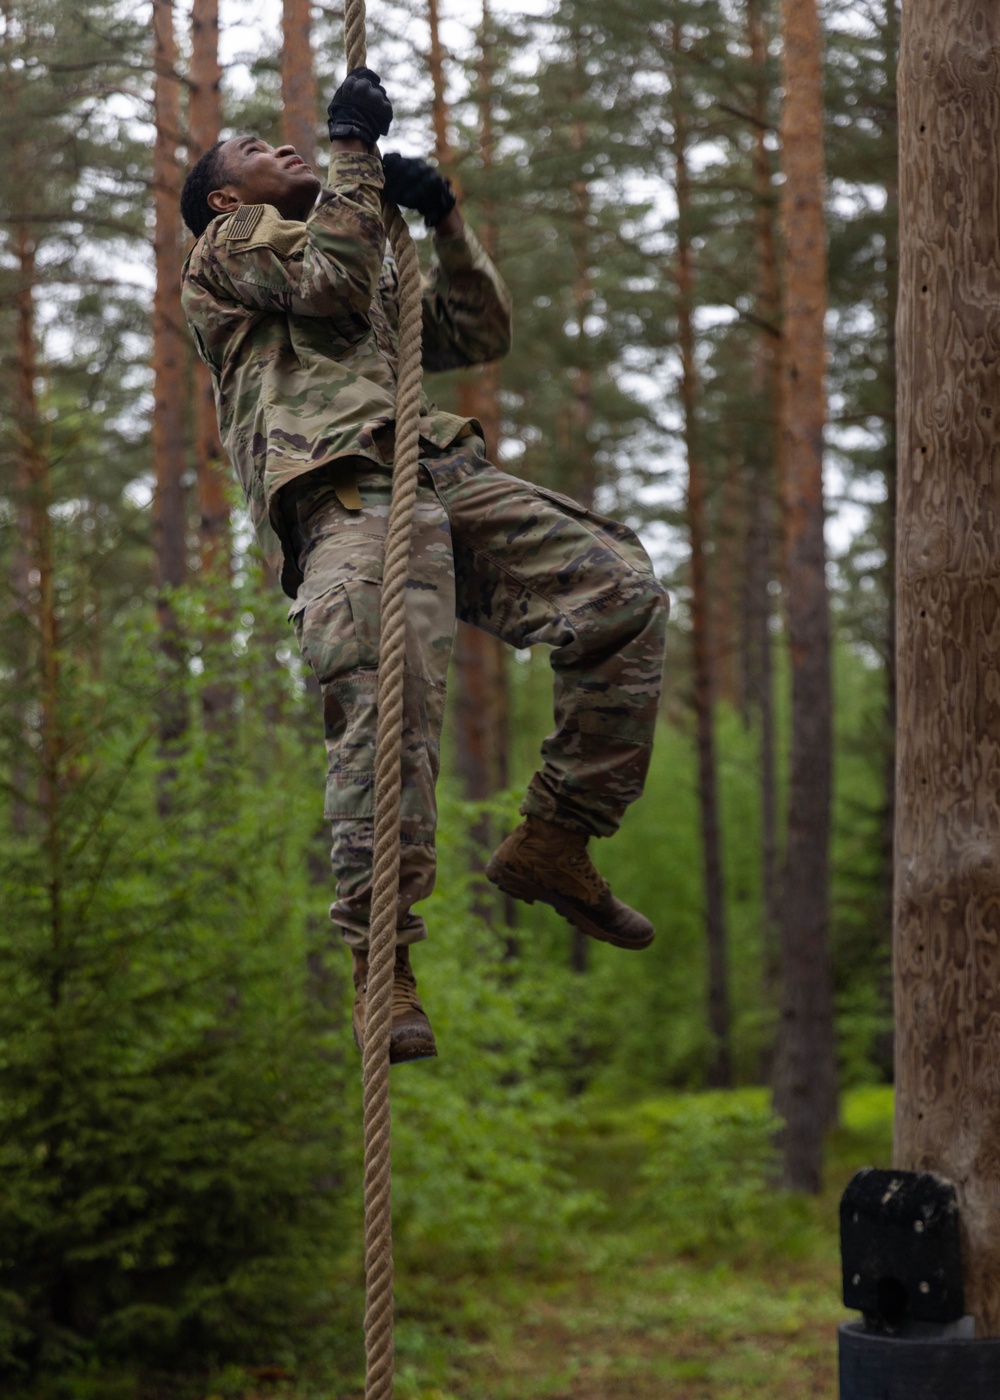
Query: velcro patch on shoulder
x,y
242,225
261,226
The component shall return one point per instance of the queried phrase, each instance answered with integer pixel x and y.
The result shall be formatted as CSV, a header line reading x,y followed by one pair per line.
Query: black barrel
x,y
877,1367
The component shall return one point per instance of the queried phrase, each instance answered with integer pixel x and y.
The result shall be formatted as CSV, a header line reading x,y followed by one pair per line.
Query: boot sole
x,y
408,1051
570,910
404,1052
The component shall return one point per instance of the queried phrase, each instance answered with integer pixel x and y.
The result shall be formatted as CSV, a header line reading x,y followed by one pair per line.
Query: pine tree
x,y
170,353
479,671
720,1070
805,1067
298,79
204,127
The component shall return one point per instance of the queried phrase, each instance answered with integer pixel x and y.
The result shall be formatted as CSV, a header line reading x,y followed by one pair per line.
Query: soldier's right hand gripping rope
x,y
413,183
359,109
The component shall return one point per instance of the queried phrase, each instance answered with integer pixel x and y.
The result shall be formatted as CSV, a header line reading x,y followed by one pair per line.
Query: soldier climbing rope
x,y
274,256
378,1330
379,1338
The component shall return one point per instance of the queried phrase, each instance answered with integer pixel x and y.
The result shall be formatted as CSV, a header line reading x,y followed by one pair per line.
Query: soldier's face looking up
x,y
257,173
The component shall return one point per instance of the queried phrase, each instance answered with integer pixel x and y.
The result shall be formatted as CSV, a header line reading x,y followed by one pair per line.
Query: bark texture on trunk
x,y
480,660
805,1069
211,467
726,592
947,960
443,151
204,126
298,79
720,1067
169,356
579,413
767,478
890,118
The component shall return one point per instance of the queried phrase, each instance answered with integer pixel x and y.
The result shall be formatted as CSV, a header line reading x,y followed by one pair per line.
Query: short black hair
x,y
207,174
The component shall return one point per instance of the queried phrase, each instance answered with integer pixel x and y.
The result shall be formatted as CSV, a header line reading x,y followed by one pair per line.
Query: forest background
x,y
179,1115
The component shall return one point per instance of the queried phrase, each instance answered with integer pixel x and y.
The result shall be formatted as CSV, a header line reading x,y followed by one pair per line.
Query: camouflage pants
x,y
525,564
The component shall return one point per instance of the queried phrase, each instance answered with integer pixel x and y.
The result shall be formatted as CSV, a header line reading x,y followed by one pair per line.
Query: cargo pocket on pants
x,y
338,635
338,631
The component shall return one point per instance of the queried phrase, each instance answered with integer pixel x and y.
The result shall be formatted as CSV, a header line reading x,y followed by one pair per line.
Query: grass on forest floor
x,y
682,1285
626,1316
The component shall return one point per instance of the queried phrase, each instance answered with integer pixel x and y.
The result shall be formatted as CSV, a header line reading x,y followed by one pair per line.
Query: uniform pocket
x,y
338,631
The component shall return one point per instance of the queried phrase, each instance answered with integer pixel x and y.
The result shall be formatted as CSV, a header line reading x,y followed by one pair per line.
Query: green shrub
x,y
170,1130
476,1174
705,1175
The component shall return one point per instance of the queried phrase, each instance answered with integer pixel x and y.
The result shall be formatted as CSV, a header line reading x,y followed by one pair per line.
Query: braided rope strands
x,y
388,790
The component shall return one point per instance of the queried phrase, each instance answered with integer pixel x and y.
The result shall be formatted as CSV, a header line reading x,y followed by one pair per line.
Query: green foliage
x,y
702,1174
179,1097
477,1177
170,1153
641,1020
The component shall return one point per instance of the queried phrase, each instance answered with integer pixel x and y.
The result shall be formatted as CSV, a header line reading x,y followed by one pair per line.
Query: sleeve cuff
x,y
456,251
349,168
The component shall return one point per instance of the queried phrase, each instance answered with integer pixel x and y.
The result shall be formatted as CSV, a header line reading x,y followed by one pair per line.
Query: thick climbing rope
x,y
388,790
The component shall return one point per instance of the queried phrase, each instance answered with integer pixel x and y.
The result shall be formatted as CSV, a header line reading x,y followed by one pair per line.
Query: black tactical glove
x,y
415,184
359,108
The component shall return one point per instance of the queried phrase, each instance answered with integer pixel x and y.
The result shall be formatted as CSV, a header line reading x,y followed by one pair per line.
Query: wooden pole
x,y
947,901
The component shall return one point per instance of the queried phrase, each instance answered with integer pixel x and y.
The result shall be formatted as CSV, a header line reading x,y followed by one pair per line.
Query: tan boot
x,y
541,860
411,1037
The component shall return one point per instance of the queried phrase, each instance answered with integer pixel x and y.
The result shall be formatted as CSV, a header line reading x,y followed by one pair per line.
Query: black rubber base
x,y
873,1367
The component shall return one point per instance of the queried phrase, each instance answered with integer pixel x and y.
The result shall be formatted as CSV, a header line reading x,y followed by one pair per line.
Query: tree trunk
x,y
730,551
947,967
805,1072
578,451
169,352
884,1053
298,80
760,681
720,1069
480,660
767,478
204,126
443,151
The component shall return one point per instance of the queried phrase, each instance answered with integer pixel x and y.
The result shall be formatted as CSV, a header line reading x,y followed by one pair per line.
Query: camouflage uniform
x,y
298,324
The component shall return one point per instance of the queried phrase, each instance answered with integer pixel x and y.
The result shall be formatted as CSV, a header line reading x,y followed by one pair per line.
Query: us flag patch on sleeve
x,y
261,226
241,225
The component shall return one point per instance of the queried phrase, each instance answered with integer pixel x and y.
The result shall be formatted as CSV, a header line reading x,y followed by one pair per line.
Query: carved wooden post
x,y
947,906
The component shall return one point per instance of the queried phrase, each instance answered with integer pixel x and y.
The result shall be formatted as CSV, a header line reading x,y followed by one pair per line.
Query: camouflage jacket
x,y
298,324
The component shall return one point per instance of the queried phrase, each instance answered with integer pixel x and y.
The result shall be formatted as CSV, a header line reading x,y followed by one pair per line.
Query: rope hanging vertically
x,y
388,788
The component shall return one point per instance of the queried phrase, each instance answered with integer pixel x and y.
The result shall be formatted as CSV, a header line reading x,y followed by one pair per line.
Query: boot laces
x,y
587,873
568,852
404,989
